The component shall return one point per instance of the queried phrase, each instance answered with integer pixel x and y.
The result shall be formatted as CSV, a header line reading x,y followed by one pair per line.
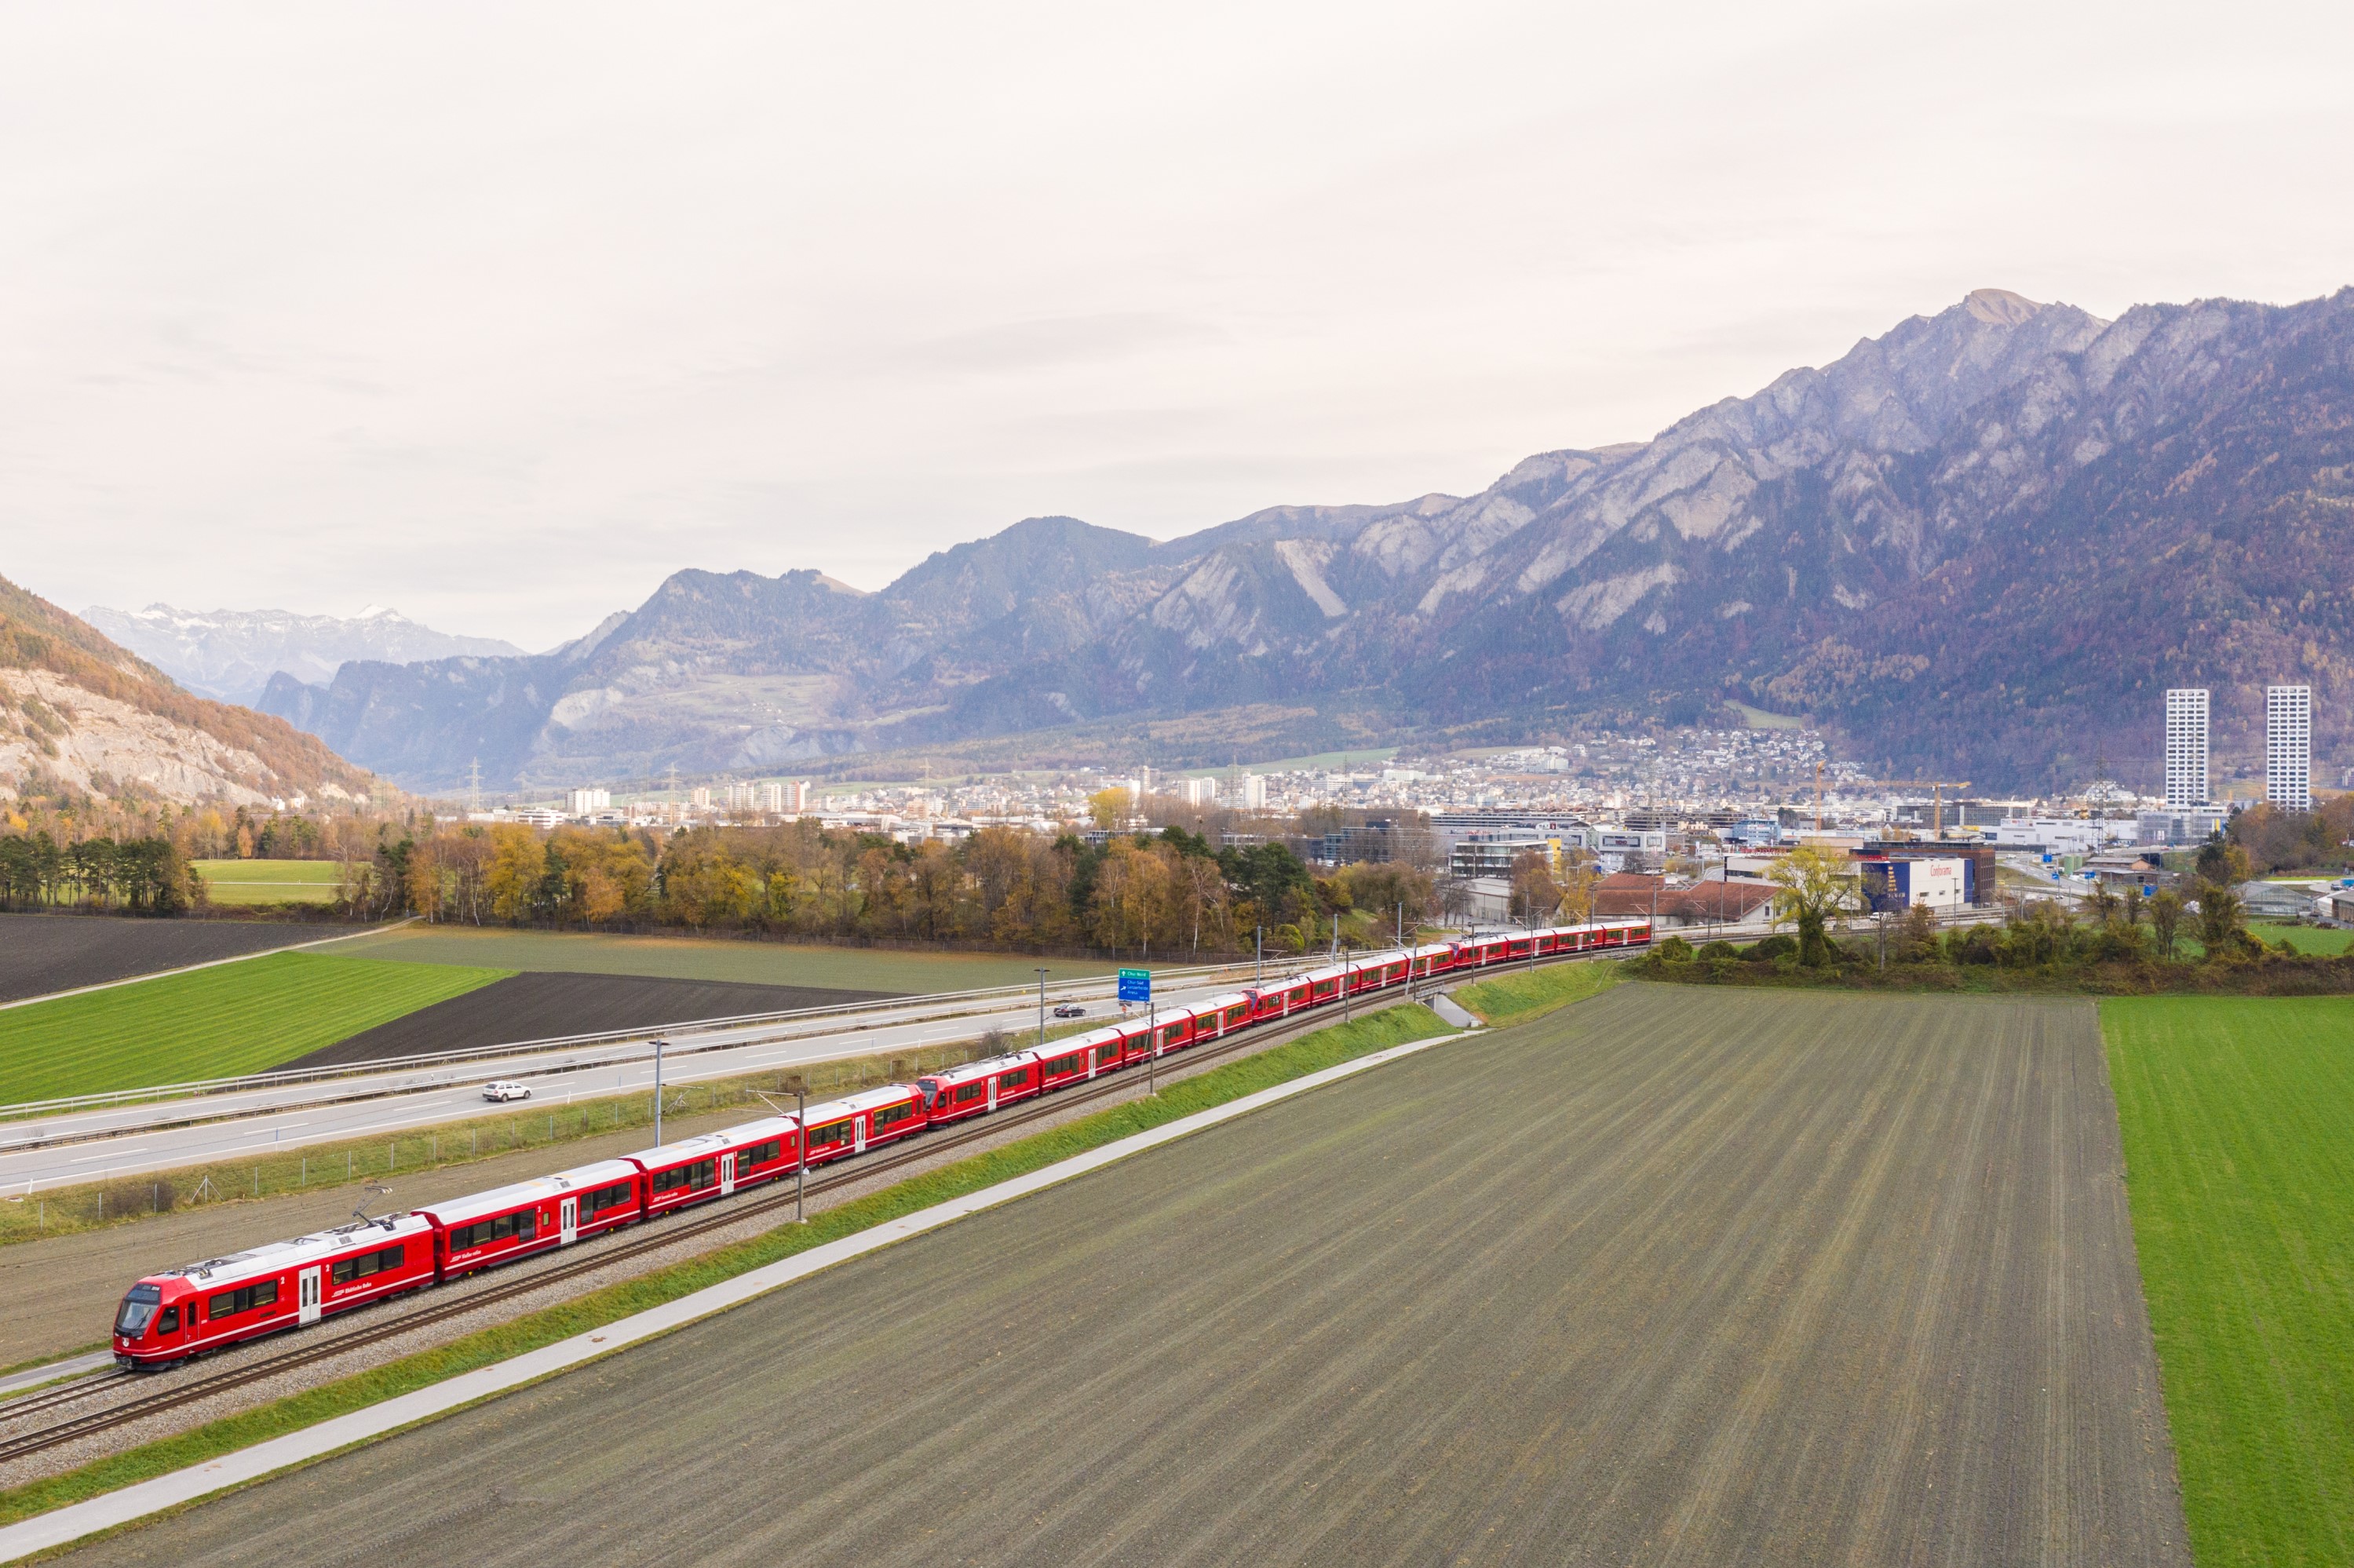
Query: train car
x,y
839,1129
1433,958
1171,1028
1377,973
1221,1015
222,1301
714,1164
1281,1000
1071,1061
978,1088
482,1230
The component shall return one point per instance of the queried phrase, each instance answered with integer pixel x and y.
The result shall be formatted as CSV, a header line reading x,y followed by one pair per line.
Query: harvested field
x,y
887,970
542,1006
41,954
1667,1276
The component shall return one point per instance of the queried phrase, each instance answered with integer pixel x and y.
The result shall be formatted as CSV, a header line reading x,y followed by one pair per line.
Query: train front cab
x,y
843,1127
978,1088
224,1301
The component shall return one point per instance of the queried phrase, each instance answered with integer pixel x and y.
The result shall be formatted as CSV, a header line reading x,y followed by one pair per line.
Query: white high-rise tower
x,y
2186,747
2288,748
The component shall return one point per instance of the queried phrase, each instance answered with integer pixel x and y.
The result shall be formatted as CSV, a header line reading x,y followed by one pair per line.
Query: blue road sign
x,y
1136,985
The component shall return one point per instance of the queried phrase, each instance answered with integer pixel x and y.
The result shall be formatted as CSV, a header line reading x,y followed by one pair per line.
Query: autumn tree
x,y
1812,887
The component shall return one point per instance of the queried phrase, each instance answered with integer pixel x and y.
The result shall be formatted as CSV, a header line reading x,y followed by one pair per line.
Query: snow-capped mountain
x,y
231,653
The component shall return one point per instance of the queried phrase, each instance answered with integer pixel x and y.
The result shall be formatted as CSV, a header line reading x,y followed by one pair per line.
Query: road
x,y
1675,1277
86,1146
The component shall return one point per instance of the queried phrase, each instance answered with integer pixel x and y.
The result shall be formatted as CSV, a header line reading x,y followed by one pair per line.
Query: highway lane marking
x,y
61,1527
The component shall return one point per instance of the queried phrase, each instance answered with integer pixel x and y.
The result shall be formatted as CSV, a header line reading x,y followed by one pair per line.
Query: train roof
x,y
683,1150
270,1257
499,1200
865,1099
987,1066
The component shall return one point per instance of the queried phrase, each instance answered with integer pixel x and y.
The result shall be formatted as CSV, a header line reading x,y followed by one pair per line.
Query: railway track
x,y
315,1346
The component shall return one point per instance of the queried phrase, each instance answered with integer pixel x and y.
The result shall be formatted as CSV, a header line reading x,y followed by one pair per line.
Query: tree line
x,y
1167,893
143,875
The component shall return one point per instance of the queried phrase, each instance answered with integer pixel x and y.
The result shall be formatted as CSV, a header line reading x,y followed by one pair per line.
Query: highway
x,y
93,1145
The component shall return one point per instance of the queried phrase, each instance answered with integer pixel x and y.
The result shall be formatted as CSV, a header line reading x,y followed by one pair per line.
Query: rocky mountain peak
x,y
1999,307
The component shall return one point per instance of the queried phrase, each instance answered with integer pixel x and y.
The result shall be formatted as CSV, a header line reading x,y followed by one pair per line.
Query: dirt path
x,y
1671,1277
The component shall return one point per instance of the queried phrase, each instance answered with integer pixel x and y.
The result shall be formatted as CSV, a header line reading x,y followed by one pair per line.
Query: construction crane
x,y
1937,817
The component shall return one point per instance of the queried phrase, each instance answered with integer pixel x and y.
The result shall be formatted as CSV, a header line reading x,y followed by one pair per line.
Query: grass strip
x,y
1525,994
2241,1183
1324,1048
212,1023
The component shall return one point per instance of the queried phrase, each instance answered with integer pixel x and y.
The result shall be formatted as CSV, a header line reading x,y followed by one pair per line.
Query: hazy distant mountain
x,y
232,653
1979,545
79,712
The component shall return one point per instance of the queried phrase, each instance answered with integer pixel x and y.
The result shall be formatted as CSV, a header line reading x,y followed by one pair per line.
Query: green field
x,y
216,1022
2306,938
269,881
2242,1179
719,959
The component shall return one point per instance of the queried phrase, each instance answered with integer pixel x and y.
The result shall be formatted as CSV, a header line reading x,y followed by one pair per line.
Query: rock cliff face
x,y
77,710
1978,544
230,655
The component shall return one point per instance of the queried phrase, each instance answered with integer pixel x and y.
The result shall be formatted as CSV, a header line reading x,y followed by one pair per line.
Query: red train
x,y
168,1317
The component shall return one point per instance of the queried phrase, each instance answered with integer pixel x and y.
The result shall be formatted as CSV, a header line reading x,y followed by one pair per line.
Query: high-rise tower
x,y
2288,748
2186,747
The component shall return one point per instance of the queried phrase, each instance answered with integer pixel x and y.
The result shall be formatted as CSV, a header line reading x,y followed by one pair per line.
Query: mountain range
x,y
1976,546
80,715
230,655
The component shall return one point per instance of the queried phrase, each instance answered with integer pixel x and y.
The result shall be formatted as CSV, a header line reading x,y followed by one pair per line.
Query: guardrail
x,y
931,1004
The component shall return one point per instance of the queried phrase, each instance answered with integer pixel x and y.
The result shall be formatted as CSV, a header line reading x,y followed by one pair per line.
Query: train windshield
x,y
138,1310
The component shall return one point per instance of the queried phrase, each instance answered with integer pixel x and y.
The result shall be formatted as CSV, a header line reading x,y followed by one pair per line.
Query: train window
x,y
966,1094
524,1225
702,1173
1108,1052
827,1137
1015,1079
611,1197
1071,1064
897,1114
138,1309
767,1151
360,1268
229,1303
170,1322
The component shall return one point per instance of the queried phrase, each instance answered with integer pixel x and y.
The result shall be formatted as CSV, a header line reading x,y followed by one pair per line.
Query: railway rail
x,y
316,1346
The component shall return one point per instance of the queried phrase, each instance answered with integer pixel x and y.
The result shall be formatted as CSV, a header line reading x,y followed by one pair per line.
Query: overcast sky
x,y
500,314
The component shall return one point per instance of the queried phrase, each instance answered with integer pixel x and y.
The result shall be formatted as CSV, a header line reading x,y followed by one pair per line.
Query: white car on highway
x,y
505,1090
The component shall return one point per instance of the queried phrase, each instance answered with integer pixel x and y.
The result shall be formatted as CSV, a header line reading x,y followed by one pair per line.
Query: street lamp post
x,y
1041,1009
658,1091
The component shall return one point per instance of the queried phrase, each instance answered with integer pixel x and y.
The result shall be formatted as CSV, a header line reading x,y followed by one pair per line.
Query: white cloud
x,y
499,315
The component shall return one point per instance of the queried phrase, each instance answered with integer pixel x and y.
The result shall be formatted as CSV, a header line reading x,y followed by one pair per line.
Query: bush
x,y
1719,949
1674,951
1768,949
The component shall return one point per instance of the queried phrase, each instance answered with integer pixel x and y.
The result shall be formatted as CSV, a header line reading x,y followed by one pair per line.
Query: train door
x,y
858,1133
568,1222
993,1092
306,1295
726,1174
